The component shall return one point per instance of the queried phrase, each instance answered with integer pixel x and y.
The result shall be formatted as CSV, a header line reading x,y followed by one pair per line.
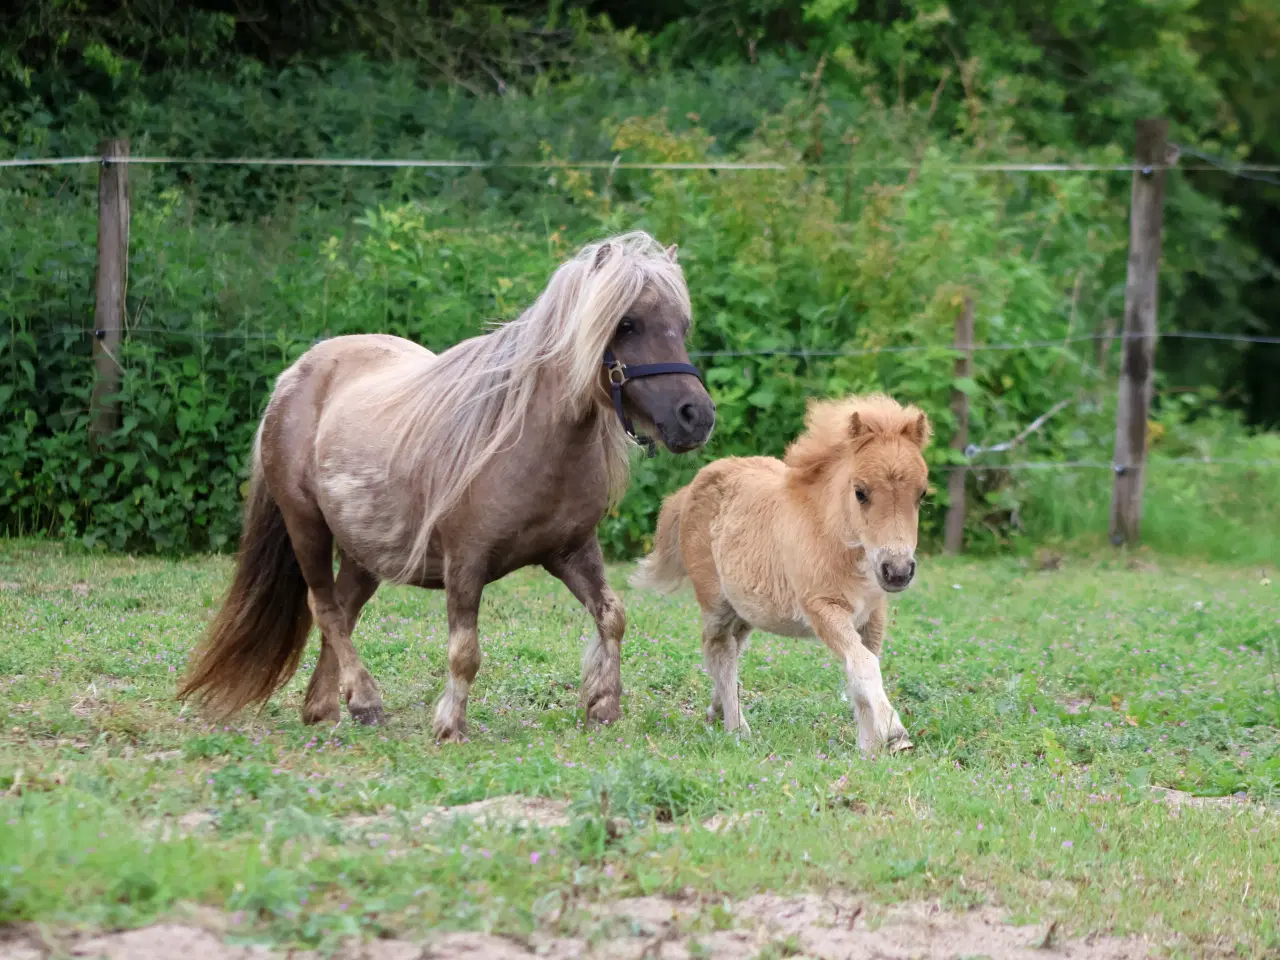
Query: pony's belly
x,y
764,614
366,520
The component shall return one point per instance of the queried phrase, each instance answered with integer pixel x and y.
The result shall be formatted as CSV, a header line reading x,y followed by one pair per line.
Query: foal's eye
x,y
863,497
628,325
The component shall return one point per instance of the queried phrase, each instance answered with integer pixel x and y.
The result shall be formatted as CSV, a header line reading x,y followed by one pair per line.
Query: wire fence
x,y
1253,171
800,352
970,452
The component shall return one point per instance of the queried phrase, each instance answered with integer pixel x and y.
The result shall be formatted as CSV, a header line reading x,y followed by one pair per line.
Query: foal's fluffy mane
x,y
457,411
830,433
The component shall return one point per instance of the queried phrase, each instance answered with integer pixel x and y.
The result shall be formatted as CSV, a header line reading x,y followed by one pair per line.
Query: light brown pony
x,y
803,546
449,472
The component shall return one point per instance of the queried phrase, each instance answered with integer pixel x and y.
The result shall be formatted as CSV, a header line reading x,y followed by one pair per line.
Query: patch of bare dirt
x,y
171,828
1177,800
833,927
526,812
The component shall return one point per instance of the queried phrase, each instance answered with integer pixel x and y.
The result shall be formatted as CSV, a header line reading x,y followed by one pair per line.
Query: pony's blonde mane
x,y
830,434
457,411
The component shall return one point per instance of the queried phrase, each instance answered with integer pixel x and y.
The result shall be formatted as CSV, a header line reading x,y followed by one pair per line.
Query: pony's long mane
x,y
829,437
456,412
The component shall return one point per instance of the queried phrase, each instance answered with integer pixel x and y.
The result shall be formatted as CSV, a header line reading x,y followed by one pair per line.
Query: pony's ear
x,y
603,253
671,252
918,430
856,427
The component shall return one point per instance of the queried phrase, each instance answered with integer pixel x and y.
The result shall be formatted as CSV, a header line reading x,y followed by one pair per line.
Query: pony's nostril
x,y
688,414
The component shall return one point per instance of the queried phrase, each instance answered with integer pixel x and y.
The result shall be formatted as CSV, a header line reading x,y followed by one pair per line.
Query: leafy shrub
x,y
819,280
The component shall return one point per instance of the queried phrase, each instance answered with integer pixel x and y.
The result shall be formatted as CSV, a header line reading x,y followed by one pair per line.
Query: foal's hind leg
x,y
353,588
463,586
741,639
724,636
583,573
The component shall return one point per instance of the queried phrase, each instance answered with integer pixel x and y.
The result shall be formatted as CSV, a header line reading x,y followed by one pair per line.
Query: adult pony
x,y
803,546
449,472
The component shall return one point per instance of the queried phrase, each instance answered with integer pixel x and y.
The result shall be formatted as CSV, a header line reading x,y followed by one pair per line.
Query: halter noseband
x,y
620,374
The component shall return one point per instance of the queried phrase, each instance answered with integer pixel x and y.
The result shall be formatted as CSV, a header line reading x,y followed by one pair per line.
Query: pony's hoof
x,y
714,713
318,714
373,716
604,711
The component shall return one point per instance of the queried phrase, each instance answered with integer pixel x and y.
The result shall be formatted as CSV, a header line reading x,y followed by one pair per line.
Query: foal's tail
x,y
254,644
663,569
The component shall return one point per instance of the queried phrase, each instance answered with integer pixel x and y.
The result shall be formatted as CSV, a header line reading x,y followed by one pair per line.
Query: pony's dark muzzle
x,y
690,425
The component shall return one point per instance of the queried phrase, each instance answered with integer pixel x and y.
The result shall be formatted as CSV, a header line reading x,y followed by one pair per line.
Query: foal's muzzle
x,y
896,573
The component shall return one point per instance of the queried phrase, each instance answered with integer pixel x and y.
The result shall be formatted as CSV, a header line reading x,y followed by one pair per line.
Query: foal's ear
x,y
856,427
671,252
603,253
918,429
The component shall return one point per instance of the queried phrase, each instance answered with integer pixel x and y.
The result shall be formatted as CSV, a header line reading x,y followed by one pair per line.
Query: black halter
x,y
620,374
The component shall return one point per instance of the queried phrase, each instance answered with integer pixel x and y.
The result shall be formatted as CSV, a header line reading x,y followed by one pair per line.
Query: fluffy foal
x,y
804,546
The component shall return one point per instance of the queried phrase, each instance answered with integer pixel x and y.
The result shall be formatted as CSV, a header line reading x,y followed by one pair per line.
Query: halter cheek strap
x,y
620,374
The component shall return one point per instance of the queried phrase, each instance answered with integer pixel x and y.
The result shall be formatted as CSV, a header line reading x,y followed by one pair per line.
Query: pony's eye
x,y
863,497
628,325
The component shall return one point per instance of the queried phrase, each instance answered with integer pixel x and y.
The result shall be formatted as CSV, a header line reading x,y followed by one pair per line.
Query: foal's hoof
x,y
898,745
373,716
604,711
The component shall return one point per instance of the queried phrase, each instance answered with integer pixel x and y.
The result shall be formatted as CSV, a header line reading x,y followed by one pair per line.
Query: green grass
x,y
1043,703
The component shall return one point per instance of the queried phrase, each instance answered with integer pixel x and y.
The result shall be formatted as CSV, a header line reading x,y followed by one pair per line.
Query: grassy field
x,y
1047,706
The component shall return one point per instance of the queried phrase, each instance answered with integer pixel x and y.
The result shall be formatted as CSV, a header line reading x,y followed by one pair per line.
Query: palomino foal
x,y
448,472
806,545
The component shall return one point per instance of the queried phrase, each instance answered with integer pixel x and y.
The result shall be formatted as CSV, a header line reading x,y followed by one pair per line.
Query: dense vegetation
x,y
871,240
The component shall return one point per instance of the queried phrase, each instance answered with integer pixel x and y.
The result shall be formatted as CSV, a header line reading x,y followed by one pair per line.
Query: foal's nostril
x,y
911,569
886,573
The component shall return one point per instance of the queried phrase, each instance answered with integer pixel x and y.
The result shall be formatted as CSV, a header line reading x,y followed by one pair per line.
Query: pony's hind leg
x,y
323,703
313,545
462,598
724,637
583,573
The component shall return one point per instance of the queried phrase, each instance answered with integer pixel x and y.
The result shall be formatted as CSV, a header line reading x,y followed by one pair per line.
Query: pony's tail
x,y
256,641
663,569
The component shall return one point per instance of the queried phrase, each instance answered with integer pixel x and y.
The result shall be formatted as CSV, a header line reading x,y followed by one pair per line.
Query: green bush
x,y
234,272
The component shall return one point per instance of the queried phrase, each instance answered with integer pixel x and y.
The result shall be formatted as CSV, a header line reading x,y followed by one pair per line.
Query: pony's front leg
x,y
879,725
582,571
462,598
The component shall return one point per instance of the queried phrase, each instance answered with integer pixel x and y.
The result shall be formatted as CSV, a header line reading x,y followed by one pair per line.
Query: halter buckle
x,y
617,373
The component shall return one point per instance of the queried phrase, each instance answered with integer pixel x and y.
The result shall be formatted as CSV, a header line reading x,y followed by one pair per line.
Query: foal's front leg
x,y
878,723
582,571
462,599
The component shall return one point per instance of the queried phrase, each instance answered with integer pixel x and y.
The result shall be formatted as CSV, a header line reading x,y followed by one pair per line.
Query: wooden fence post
x,y
1137,369
113,265
953,541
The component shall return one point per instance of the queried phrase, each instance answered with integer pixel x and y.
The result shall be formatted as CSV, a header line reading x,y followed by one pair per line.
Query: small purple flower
x,y
535,857
1067,844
